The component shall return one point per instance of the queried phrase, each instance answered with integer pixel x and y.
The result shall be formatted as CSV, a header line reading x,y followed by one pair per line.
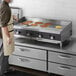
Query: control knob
x,y
28,34
51,37
17,32
40,36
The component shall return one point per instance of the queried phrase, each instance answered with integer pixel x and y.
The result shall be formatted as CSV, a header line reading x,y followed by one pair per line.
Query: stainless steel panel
x,y
62,58
55,34
69,48
30,52
38,39
27,62
62,69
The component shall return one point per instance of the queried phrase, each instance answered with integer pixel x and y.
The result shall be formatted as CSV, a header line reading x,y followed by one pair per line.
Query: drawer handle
x,y
24,49
24,60
64,57
64,68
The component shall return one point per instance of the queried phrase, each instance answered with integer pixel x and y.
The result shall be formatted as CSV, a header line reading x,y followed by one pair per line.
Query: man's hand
x,y
15,18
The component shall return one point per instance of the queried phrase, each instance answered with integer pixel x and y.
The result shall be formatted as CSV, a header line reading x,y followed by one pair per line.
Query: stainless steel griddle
x,y
49,34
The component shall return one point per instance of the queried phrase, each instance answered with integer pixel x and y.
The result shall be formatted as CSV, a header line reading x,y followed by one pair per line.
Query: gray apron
x,y
8,48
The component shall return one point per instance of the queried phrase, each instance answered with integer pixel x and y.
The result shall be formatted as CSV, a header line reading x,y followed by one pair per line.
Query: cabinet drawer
x,y
27,62
62,58
30,52
61,69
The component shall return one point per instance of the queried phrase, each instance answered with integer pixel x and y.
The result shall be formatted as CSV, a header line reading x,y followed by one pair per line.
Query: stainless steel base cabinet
x,y
27,62
62,58
30,52
61,69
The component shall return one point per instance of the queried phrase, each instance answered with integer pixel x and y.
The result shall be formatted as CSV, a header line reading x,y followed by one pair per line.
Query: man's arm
x,y
4,19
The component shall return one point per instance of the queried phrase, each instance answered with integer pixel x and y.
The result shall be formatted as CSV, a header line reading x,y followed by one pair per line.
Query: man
x,y
6,25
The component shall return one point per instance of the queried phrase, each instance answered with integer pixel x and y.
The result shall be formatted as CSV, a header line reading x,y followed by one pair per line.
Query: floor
x,y
29,71
18,71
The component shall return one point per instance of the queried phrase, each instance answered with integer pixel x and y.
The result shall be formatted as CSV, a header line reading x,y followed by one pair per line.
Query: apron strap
x,y
11,30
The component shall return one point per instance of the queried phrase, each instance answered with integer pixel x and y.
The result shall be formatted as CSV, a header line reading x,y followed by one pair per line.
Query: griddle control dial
x,y
52,37
28,34
17,32
40,36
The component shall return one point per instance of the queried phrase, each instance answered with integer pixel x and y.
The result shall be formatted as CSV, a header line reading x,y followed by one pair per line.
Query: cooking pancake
x,y
38,22
34,24
48,24
43,25
58,27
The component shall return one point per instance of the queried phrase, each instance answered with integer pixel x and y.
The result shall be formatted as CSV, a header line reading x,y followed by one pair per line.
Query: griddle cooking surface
x,y
56,26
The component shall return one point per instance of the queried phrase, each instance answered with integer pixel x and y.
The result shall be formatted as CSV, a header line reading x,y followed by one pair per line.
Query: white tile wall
x,y
55,9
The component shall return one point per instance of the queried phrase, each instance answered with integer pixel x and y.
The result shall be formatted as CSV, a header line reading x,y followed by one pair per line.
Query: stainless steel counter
x,y
69,48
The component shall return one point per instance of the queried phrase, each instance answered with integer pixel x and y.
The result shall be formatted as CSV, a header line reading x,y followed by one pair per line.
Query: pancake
x,y
48,24
38,22
43,25
58,27
34,24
